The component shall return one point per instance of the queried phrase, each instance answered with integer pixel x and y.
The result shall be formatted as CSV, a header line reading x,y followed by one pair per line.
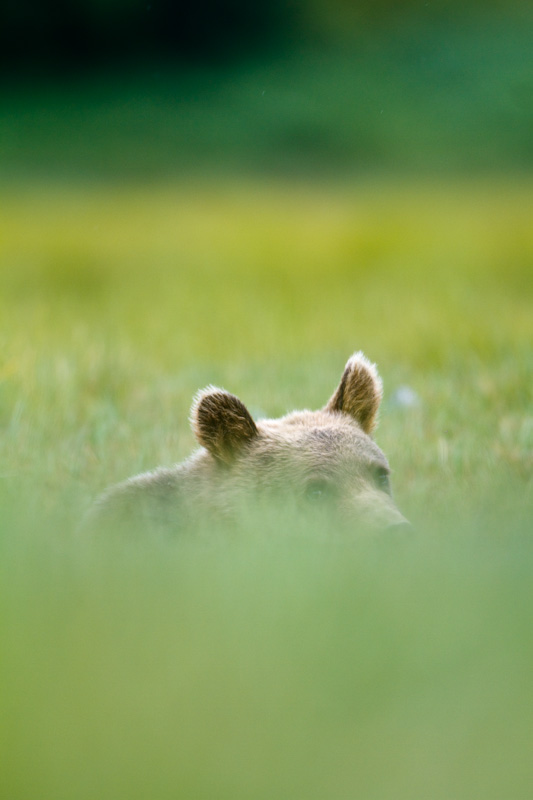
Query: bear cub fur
x,y
317,459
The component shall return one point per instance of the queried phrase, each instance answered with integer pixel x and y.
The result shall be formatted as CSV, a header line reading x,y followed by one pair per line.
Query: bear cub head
x,y
323,462
323,458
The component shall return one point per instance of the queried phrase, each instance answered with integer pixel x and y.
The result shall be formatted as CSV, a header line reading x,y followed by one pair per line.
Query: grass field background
x,y
273,664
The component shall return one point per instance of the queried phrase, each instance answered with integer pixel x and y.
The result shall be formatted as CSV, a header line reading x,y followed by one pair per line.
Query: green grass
x,y
412,96
272,663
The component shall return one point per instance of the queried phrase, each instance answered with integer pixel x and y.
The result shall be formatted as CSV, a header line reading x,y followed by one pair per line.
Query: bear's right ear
x,y
359,393
221,423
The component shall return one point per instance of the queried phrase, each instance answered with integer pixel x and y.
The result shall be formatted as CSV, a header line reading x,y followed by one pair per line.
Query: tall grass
x,y
271,663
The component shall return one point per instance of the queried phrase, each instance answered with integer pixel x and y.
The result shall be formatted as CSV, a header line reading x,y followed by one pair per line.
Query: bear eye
x,y
317,490
381,479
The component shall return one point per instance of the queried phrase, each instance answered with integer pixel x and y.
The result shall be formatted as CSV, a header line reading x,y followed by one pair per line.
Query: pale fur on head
x,y
328,452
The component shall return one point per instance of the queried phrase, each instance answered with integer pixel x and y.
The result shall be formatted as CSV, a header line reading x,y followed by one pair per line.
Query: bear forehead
x,y
320,435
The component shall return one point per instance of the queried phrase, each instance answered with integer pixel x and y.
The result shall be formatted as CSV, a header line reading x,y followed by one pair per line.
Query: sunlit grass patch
x,y
119,302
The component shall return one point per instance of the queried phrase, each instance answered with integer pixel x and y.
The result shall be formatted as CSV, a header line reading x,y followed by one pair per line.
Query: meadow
x,y
276,662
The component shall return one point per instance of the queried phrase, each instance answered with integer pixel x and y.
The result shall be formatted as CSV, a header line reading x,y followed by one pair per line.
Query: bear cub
x,y
322,459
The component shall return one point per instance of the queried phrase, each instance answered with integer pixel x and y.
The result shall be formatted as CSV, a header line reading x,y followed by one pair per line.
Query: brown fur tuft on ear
x,y
221,423
359,393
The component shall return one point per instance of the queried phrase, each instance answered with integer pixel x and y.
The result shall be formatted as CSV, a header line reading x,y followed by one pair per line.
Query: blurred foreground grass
x,y
274,664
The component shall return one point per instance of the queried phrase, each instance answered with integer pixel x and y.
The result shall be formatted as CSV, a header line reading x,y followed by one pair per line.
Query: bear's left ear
x,y
359,393
221,423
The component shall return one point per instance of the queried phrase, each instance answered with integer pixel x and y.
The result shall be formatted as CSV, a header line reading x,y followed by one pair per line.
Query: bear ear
x,y
221,423
359,393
